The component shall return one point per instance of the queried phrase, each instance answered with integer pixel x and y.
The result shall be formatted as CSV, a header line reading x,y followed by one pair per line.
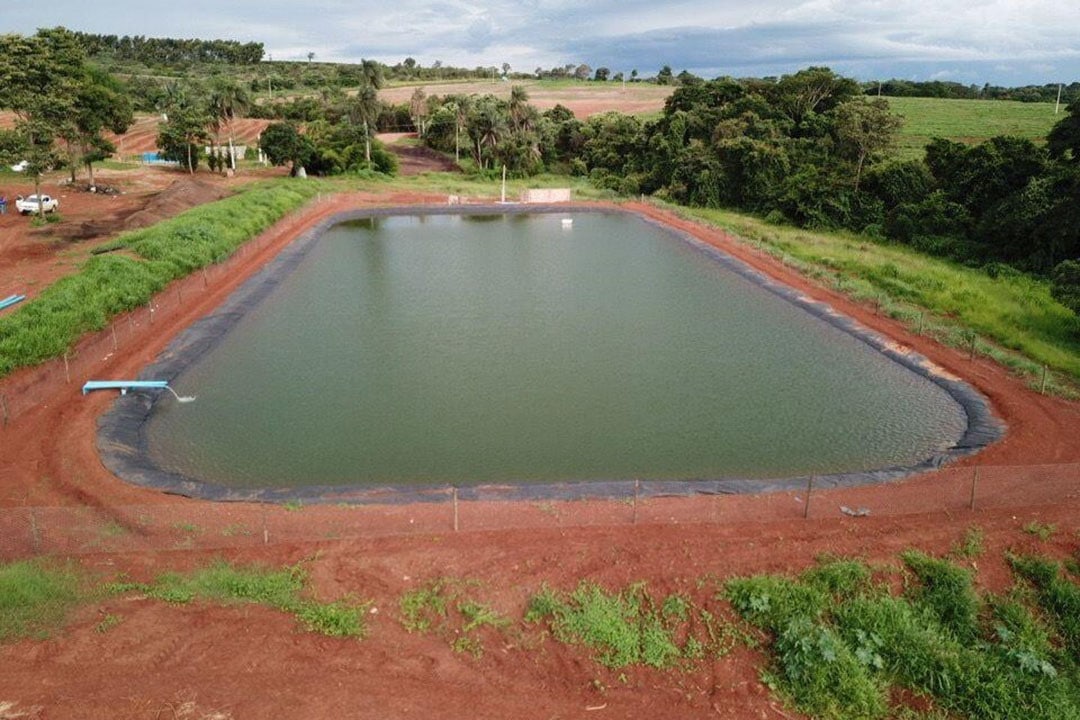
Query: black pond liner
x,y
124,449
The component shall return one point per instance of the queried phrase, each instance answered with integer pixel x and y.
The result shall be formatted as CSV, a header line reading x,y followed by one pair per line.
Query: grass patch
x,y
1057,596
630,627
971,545
448,608
282,590
842,650
967,121
106,285
1043,531
36,597
1013,317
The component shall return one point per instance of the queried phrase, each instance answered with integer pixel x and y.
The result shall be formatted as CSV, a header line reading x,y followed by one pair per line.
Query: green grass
x,y
1058,597
843,649
448,608
106,285
1017,322
629,627
36,597
282,590
971,545
1043,531
968,121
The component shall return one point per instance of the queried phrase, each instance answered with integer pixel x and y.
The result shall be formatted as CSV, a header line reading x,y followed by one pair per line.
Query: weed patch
x,y
630,627
35,598
842,649
279,589
448,608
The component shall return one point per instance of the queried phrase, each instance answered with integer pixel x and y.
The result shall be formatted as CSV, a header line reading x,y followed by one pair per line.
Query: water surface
x,y
417,350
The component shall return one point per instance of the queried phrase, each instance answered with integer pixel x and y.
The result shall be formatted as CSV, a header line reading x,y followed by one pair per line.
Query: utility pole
x,y
1057,106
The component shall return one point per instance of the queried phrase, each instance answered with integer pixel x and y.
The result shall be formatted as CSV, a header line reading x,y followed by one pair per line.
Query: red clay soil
x,y
31,258
203,661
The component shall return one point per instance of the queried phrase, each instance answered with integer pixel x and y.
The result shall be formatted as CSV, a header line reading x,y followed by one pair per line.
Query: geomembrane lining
x,y
124,449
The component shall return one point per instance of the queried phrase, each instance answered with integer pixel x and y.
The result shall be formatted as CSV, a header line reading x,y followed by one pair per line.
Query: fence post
x,y
266,531
67,369
205,277
974,483
112,327
921,319
637,490
455,510
35,534
974,337
809,489
1042,385
150,309
4,409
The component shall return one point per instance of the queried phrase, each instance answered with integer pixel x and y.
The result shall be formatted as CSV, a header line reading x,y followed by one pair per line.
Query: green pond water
x,y
416,350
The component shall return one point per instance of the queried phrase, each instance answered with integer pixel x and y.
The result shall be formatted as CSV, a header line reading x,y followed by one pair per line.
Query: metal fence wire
x,y
202,525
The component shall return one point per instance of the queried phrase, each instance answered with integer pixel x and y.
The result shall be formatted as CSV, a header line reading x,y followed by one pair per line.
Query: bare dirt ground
x,y
584,100
415,159
33,257
203,661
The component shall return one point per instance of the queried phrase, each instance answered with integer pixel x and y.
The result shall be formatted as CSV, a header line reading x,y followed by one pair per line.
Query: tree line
x,y
169,51
808,149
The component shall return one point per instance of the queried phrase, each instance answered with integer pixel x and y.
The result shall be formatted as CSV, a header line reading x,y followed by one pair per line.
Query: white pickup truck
x,y
31,204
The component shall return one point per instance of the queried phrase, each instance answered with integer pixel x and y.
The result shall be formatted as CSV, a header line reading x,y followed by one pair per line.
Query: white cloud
x,y
1032,40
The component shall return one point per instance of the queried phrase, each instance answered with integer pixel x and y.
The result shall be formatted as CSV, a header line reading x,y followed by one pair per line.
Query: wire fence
x,y
200,525
956,493
38,386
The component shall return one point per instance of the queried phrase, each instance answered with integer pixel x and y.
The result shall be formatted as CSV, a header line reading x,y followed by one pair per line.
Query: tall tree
x,y
365,109
227,99
101,104
865,129
1063,142
40,78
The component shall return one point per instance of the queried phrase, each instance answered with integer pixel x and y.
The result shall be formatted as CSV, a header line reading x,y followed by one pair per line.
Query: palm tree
x,y
518,105
227,98
366,107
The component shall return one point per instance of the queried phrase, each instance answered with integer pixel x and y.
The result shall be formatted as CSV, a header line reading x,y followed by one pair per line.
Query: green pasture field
x,y
968,121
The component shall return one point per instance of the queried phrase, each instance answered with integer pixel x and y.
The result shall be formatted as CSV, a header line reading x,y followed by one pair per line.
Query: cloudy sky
x,y
1006,42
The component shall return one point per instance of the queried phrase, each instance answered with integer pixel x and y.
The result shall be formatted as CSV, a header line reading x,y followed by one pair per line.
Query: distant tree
x,y
581,72
665,76
227,99
40,79
1063,142
182,137
865,129
310,56
101,104
602,74
283,144
418,109
633,75
505,69
365,108
1065,284
815,90
688,78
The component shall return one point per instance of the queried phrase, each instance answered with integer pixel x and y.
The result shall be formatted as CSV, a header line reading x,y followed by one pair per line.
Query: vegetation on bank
x,y
285,590
1016,319
109,284
844,643
843,639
